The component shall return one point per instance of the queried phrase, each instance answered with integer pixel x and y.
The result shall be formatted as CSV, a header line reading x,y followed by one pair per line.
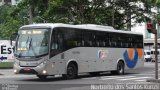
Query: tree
x,y
8,25
77,12
96,12
85,11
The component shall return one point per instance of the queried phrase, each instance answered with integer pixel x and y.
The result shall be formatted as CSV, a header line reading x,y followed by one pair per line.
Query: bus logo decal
x,y
129,59
102,53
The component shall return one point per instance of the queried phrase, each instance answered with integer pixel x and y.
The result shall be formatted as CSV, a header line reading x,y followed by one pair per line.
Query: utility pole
x,y
151,29
113,12
156,59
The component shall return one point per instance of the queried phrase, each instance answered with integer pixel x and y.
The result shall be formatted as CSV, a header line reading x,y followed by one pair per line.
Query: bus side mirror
x,y
12,38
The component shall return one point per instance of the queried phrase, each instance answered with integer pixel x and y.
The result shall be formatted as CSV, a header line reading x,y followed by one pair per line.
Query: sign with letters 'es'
x,y
6,51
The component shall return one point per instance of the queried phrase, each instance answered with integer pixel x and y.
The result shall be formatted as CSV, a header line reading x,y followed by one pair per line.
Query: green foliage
x,y
5,11
8,28
8,24
6,65
76,12
154,16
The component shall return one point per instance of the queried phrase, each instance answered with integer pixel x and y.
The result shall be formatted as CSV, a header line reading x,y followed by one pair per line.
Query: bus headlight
x,y
44,71
15,71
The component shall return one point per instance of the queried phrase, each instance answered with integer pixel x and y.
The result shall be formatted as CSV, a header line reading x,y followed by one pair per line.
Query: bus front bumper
x,y
38,70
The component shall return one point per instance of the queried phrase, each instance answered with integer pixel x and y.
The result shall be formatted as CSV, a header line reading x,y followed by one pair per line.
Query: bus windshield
x,y
32,43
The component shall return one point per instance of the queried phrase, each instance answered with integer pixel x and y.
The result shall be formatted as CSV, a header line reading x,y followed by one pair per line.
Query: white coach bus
x,y
62,49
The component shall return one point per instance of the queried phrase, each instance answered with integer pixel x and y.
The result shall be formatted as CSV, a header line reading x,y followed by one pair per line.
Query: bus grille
x,y
31,71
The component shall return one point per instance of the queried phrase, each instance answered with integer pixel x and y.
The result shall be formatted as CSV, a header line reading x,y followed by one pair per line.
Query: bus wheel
x,y
71,72
120,68
42,77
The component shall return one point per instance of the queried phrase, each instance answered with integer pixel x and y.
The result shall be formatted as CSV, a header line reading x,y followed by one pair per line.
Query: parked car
x,y
153,55
147,55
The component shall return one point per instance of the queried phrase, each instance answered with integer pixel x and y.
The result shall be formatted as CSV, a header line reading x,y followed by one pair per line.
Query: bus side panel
x,y
81,58
56,65
91,59
88,59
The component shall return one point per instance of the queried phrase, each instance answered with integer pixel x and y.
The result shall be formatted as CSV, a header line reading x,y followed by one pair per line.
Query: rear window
x,y
148,53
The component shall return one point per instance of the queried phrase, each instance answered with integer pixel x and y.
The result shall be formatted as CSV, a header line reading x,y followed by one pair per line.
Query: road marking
x,y
90,78
122,78
143,80
15,76
116,77
152,71
108,77
134,78
145,74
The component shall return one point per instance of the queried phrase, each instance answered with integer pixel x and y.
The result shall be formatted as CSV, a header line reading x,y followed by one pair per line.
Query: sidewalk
x,y
6,72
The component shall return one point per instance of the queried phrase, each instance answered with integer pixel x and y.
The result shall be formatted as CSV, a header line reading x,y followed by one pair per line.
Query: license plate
x,y
26,69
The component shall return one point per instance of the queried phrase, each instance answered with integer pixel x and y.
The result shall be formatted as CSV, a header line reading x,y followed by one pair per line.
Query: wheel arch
x,y
120,60
73,61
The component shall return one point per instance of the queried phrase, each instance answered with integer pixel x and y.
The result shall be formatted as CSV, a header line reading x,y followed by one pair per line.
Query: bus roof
x,y
79,26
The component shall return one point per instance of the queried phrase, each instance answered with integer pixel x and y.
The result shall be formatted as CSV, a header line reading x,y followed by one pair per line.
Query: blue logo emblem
x,y
131,57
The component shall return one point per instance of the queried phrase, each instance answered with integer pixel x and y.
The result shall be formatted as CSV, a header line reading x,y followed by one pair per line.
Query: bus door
x,y
56,49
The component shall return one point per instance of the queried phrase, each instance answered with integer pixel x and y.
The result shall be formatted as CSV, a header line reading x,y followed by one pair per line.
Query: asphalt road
x,y
105,81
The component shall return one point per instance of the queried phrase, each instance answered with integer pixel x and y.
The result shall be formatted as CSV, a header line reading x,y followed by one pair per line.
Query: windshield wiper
x,y
30,46
30,42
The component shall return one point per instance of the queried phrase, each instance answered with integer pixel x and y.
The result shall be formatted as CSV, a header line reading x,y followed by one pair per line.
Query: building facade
x,y
142,28
11,2
148,37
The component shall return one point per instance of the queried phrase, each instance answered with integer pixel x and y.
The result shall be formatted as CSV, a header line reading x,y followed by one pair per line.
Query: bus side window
x,y
56,43
60,41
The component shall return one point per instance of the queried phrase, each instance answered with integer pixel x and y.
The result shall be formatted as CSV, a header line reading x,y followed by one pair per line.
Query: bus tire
x,y
42,77
120,68
71,72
